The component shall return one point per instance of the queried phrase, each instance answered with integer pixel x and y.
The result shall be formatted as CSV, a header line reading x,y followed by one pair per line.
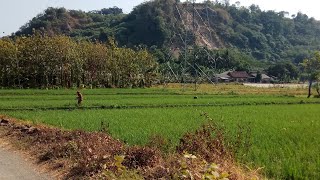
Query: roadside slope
x,y
96,155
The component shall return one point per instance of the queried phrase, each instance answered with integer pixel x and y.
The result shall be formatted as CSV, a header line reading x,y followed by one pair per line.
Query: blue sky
x,y
15,13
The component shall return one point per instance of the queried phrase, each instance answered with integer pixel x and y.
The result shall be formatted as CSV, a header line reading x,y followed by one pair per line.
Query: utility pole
x,y
184,77
194,44
185,60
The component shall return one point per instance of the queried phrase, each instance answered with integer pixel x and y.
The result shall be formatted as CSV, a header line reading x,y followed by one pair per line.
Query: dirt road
x,y
276,85
14,167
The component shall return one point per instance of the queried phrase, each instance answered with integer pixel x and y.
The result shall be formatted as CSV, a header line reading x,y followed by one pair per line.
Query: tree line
x,y
41,61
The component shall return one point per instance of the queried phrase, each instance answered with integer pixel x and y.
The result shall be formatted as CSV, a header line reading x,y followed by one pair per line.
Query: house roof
x,y
223,75
263,76
238,74
224,78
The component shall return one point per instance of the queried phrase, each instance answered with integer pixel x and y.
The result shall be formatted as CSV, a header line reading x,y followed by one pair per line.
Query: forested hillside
x,y
266,35
202,38
84,25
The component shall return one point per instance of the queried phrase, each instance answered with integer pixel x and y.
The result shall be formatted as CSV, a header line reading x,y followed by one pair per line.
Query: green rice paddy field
x,y
285,129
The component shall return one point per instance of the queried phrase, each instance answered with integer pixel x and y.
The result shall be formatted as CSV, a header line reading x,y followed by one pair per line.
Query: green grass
x,y
50,99
285,137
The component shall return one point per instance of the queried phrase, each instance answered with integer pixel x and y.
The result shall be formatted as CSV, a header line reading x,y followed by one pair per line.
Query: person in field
x,y
79,98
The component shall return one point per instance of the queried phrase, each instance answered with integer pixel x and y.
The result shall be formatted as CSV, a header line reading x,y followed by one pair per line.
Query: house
x,y
239,76
223,77
264,78
232,76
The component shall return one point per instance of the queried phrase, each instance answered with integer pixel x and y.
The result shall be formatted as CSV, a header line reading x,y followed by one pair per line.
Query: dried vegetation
x,y
203,154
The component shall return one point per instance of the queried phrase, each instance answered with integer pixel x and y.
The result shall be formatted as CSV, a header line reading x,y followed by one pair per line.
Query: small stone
x,y
24,129
32,130
4,122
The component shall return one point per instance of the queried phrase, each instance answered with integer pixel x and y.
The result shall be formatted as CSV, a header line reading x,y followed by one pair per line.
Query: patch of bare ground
x,y
96,155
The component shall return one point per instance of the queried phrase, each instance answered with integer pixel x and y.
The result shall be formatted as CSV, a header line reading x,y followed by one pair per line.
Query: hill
x,y
74,23
266,35
263,34
207,37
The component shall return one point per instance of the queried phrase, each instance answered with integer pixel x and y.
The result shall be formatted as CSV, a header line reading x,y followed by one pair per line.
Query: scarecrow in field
x,y
79,98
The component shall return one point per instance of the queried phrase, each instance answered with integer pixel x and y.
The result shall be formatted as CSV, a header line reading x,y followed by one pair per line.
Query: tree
x,y
312,67
285,71
42,61
258,77
8,63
